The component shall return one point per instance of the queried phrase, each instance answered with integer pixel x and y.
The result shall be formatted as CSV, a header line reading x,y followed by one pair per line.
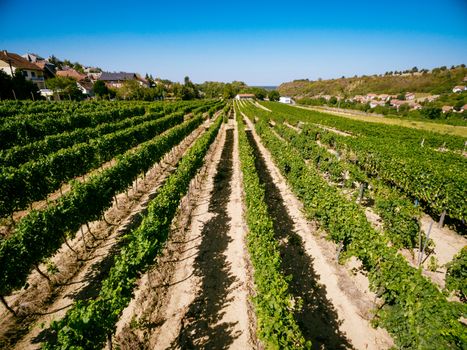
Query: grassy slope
x,y
435,83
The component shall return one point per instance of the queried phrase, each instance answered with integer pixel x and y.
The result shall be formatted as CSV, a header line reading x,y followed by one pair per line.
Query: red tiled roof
x,y
17,61
71,73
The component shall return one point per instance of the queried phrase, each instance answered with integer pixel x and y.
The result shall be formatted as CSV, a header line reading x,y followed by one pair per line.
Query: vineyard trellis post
x,y
422,250
441,219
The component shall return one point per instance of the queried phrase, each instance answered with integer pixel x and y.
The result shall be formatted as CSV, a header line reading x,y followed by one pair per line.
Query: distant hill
x,y
437,81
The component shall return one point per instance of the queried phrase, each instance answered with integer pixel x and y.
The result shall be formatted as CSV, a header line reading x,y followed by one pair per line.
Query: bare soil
x,y
79,272
199,291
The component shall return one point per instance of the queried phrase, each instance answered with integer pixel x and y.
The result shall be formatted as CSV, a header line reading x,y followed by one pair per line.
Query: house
x,y
371,96
47,68
116,80
431,98
286,99
459,88
447,109
86,87
375,103
10,63
409,96
33,57
384,97
359,98
245,97
463,109
397,103
415,106
71,73
94,76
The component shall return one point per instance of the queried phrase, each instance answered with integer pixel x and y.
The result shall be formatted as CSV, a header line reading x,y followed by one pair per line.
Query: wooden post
x,y
14,94
420,257
422,143
441,219
362,191
109,341
339,250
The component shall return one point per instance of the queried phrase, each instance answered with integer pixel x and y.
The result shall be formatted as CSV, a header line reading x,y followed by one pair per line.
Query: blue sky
x,y
259,42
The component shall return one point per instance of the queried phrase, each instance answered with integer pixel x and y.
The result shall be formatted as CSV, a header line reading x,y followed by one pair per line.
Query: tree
x,y
66,87
274,95
23,88
100,89
431,112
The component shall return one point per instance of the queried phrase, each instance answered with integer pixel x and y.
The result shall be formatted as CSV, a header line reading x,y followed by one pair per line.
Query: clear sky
x,y
258,42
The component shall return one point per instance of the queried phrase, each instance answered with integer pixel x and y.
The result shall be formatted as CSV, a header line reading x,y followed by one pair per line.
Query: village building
x,y
459,88
71,73
10,63
245,97
116,80
287,100
447,109
409,96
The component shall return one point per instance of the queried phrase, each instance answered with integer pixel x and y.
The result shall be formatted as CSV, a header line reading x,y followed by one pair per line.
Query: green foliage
x,y
65,87
436,179
274,95
100,89
40,233
24,129
431,112
35,179
456,275
23,88
415,311
87,323
274,305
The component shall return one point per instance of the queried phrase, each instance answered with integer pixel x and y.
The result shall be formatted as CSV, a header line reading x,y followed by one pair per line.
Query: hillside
x,y
437,81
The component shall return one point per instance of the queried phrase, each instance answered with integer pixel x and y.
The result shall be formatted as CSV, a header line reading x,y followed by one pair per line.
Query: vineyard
x,y
219,224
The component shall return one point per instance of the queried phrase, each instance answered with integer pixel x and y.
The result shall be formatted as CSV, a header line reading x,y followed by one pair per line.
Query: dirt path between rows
x,y
337,305
201,282
79,279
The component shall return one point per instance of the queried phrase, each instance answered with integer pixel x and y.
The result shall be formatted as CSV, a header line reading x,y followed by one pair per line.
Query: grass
x,y
434,127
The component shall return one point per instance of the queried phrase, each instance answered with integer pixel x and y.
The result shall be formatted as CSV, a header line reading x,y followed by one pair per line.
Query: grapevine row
x,y
36,179
274,304
415,312
87,324
399,215
39,234
18,155
437,180
21,132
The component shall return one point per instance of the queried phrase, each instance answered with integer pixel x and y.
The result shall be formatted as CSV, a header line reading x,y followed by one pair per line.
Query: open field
x,y
434,127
